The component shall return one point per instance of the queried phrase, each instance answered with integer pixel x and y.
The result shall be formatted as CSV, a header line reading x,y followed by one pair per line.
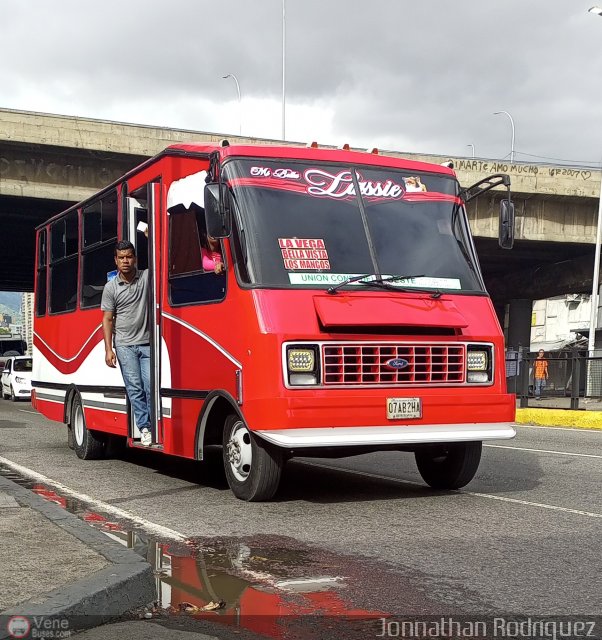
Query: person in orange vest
x,y
540,372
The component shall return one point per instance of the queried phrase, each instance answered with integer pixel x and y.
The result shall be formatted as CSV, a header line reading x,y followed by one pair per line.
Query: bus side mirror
x,y
217,214
506,230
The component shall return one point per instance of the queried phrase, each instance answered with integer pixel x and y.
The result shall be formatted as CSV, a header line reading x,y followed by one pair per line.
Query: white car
x,y
16,378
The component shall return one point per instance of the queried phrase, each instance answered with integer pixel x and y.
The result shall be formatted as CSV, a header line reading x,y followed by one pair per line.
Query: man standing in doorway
x,y
125,317
540,372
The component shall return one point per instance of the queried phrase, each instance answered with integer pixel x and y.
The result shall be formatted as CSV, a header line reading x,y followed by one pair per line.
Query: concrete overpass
x,y
49,161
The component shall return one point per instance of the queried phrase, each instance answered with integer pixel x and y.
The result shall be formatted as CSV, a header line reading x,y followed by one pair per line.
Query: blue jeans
x,y
540,385
134,361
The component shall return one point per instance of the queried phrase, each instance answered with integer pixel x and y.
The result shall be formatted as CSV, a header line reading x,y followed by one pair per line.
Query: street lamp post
x,y
593,319
284,69
231,75
496,113
472,148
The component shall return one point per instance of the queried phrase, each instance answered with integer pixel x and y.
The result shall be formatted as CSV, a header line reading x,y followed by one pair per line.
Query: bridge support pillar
x,y
519,323
519,340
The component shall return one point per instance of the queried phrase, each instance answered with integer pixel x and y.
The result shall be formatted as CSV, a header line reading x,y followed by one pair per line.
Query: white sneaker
x,y
145,438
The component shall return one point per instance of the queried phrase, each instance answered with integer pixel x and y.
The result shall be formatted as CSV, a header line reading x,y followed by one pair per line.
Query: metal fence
x,y
572,376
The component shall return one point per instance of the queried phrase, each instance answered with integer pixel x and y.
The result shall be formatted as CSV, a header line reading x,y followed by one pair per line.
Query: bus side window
x,y
99,234
41,275
64,234
188,282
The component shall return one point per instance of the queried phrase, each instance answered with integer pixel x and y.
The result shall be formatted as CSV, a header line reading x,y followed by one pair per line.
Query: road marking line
x,y
541,505
150,527
35,413
559,453
546,427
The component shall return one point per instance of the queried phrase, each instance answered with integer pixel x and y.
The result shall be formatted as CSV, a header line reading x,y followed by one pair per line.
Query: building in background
x,y
27,319
556,322
16,329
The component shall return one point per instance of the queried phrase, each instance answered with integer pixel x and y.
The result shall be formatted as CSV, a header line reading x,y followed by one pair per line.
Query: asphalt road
x,y
524,537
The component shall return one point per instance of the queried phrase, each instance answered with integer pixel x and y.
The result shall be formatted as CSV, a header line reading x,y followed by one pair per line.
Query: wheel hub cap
x,y
239,452
78,427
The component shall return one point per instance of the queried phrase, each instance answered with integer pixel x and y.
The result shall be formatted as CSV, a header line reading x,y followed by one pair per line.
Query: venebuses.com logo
x,y
18,627
38,627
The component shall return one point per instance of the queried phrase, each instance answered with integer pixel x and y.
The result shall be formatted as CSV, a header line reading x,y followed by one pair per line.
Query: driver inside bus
x,y
211,253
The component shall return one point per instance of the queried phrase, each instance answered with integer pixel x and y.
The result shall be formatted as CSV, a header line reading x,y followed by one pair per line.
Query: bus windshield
x,y
301,225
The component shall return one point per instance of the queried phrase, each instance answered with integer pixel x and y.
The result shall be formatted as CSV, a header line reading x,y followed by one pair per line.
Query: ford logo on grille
x,y
396,363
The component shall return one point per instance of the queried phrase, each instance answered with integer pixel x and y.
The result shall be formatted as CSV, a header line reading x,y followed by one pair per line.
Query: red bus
x,y
351,315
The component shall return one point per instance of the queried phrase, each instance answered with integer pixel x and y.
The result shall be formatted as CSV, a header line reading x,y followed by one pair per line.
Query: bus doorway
x,y
142,229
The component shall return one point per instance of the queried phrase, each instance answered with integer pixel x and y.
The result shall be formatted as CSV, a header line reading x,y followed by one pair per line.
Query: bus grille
x,y
371,364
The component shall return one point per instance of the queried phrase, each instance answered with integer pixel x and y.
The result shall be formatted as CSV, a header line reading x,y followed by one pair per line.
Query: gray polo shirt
x,y
129,303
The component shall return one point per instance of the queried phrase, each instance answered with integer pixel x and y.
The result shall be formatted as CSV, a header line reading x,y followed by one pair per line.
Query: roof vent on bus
x,y
375,151
345,147
312,145
224,143
449,164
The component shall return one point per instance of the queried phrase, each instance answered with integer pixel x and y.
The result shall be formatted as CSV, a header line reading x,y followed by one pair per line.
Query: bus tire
x,y
449,465
70,438
86,444
253,467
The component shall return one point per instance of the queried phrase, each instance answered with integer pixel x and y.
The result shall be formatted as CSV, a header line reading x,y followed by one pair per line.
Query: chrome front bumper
x,y
385,435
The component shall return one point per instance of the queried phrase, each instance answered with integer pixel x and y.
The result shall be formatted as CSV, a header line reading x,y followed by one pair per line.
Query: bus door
x,y
143,212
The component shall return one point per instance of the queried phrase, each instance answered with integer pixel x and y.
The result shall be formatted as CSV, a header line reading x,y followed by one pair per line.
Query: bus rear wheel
x,y
86,444
449,465
253,467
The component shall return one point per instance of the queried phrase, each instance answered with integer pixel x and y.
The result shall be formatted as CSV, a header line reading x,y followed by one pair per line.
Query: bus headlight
x,y
479,368
301,360
477,361
302,367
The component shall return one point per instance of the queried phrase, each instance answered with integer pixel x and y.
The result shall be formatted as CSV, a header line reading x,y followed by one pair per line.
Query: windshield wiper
x,y
385,283
347,281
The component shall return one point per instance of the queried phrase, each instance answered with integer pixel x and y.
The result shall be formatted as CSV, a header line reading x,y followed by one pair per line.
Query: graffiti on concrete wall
x,y
491,166
30,169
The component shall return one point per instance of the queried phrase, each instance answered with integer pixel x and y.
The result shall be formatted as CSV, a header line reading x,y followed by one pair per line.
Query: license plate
x,y
401,408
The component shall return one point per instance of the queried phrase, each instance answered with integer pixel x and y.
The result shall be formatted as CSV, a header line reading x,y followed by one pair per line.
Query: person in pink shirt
x,y
212,256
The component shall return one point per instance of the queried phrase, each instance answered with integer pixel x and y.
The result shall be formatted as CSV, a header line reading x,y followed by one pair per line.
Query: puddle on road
x,y
266,585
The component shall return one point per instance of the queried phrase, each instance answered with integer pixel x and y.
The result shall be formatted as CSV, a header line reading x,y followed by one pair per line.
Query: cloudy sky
x,y
422,76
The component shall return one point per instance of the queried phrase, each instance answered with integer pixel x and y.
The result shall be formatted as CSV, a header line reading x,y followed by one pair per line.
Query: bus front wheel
x,y
449,465
86,443
253,467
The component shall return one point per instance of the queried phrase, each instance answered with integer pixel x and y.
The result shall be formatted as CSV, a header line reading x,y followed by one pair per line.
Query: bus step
x,y
153,447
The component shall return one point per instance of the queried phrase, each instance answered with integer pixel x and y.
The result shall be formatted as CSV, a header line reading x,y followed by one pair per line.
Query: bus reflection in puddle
x,y
261,586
